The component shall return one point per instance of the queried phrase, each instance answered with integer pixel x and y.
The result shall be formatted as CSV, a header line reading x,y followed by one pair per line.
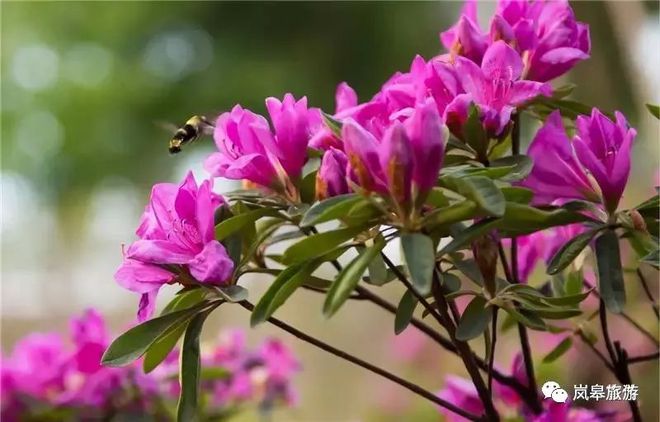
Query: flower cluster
x,y
51,375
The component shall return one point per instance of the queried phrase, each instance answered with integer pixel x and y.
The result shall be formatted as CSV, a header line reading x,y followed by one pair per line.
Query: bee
x,y
195,127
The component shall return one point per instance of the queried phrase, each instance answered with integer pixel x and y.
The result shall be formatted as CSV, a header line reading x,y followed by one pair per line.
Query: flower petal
x,y
212,264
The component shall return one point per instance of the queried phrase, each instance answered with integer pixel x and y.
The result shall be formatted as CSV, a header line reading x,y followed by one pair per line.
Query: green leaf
x,y
308,187
568,300
162,347
237,222
563,347
474,320
527,318
574,283
333,124
330,209
419,255
465,236
280,290
517,194
451,282
469,268
654,109
188,406
233,293
570,250
348,278
522,219
474,133
653,258
404,312
453,213
185,300
134,343
610,273
479,189
319,244
518,167
378,274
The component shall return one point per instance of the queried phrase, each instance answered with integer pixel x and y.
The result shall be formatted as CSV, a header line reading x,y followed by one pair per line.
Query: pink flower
x,y
176,229
323,138
466,38
462,393
594,165
545,33
405,161
495,88
249,149
331,177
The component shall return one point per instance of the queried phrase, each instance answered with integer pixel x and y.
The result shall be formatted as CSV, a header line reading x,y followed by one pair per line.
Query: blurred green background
x,y
86,86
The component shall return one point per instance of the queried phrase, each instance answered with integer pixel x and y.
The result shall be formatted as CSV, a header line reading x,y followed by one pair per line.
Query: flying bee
x,y
195,127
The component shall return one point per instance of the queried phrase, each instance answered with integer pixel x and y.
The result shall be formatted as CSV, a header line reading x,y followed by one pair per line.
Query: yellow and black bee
x,y
195,127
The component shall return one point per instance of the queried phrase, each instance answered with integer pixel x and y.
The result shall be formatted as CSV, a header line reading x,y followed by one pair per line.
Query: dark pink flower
x,y
496,88
176,229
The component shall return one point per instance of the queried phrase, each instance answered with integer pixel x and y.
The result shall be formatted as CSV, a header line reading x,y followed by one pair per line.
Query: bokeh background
x,y
85,90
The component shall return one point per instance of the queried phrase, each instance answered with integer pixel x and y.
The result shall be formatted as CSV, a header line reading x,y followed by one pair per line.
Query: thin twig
x,y
511,273
366,365
491,353
597,352
645,286
644,358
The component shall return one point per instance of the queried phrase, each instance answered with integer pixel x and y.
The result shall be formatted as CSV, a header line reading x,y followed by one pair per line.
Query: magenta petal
x,y
147,305
427,137
331,177
205,205
139,277
502,62
212,264
523,91
362,151
396,162
158,252
345,97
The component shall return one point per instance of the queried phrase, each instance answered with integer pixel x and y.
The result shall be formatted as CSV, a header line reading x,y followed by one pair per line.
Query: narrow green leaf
x,y
348,278
563,347
307,187
469,268
527,318
162,347
474,320
233,293
654,109
404,312
571,249
519,167
378,274
517,194
474,133
451,214
189,378
479,189
280,290
319,244
185,300
466,236
568,300
653,258
333,124
419,255
574,283
451,282
330,209
134,343
610,273
237,222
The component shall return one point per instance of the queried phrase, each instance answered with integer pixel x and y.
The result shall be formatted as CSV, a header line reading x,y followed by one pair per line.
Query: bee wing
x,y
167,126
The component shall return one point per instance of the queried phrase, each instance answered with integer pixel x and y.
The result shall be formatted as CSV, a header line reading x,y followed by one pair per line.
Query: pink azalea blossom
x,y
331,177
593,166
466,38
405,161
495,88
176,229
249,149
545,33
